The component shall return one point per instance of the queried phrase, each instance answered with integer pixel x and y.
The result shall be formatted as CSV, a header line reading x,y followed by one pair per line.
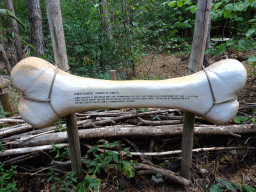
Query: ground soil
x,y
235,166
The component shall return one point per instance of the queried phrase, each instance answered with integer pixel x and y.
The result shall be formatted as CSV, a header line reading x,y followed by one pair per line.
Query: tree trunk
x,y
1,36
106,21
36,28
3,53
206,62
14,25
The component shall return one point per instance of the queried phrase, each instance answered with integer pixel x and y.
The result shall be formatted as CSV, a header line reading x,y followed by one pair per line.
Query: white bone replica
x,y
42,105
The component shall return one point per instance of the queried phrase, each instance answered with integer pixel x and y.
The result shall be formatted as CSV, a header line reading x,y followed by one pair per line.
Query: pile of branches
x,y
21,141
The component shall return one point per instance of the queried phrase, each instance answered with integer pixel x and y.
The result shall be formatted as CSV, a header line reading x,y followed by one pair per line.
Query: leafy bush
x,y
233,19
102,161
7,182
223,184
69,182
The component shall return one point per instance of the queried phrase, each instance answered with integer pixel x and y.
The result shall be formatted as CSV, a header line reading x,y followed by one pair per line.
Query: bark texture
x,y
105,19
36,28
14,25
206,61
136,131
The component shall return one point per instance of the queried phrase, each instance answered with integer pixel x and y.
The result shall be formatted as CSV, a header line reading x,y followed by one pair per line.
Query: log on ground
x,y
130,130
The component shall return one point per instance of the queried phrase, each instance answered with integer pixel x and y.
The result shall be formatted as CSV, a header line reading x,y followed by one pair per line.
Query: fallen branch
x,y
166,173
131,130
22,136
15,129
158,123
172,152
10,120
104,114
19,159
30,149
114,119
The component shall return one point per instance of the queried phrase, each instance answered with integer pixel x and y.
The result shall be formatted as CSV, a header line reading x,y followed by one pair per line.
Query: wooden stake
x,y
196,60
60,55
113,75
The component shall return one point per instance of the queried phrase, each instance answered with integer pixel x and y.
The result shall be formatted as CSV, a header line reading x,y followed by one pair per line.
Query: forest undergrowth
x,y
228,166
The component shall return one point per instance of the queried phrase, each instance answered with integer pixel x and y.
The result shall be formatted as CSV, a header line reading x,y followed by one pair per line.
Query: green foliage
x,y
6,12
59,184
90,183
163,26
2,147
252,60
7,182
102,161
142,110
156,117
234,20
239,119
158,178
59,125
223,184
2,112
60,154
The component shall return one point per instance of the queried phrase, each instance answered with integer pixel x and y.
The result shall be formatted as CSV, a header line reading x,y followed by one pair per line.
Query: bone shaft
x,y
110,94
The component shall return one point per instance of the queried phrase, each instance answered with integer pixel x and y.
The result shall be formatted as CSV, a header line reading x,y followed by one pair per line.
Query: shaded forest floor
x,y
237,165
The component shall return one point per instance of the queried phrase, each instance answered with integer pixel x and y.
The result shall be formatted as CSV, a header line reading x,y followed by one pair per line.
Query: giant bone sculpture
x,y
50,93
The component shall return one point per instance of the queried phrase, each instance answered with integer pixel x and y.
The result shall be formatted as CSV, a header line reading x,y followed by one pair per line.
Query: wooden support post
x,y
61,60
195,63
113,75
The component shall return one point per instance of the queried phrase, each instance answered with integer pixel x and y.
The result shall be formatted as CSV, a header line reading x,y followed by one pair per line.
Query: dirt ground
x,y
236,166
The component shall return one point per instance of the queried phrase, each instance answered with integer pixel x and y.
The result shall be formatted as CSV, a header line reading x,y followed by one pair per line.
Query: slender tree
x,y
14,25
36,28
206,61
107,26
1,35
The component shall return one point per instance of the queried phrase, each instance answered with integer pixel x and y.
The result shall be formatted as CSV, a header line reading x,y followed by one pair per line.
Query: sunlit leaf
x,y
227,13
239,119
172,3
192,8
217,5
179,3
